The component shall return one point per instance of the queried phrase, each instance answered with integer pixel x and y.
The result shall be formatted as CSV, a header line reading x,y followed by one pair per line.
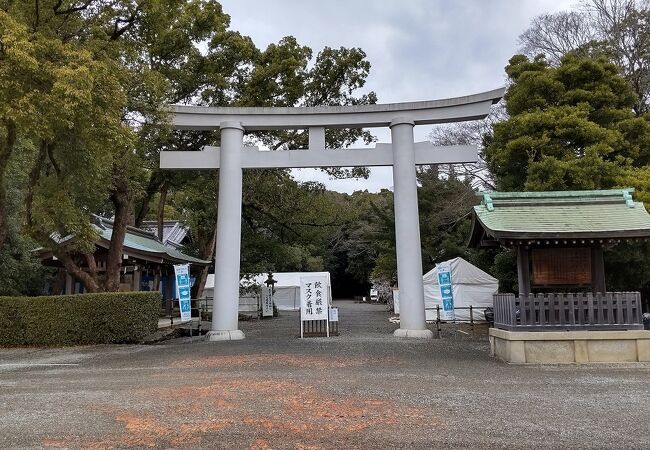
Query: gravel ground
x,y
363,389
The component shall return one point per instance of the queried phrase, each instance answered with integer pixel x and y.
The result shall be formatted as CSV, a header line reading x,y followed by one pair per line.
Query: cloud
x,y
419,49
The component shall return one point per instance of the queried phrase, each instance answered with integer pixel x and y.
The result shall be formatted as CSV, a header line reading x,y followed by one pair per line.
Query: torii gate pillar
x,y
407,232
225,303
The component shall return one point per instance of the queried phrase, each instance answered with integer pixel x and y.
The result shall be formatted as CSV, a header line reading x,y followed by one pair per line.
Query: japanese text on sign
x,y
314,298
182,272
446,291
267,301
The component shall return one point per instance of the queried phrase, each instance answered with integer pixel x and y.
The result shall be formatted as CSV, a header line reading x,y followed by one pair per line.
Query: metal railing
x,y
170,310
472,316
247,304
567,311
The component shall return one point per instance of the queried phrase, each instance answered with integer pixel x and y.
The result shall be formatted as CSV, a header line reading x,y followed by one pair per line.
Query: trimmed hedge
x,y
104,318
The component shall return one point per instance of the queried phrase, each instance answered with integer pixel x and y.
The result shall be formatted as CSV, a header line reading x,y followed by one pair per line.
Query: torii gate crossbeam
x,y
402,154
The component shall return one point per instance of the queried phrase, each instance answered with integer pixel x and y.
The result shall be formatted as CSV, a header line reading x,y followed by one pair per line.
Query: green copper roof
x,y
143,242
137,243
608,214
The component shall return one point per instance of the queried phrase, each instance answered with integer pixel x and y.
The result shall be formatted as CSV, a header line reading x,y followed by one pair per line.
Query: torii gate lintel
x,y
380,155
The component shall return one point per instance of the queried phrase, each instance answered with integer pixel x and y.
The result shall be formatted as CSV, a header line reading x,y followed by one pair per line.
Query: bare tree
x,y
617,29
469,133
606,16
554,35
624,26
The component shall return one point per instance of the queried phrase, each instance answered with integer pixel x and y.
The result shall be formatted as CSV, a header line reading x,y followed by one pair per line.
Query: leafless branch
x,y
74,8
556,34
122,25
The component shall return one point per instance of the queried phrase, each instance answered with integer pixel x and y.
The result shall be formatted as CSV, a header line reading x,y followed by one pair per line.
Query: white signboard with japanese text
x,y
314,300
267,301
334,314
446,292
182,272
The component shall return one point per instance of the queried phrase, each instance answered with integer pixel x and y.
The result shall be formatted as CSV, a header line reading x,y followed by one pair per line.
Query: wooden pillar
x,y
523,270
169,293
597,270
169,285
69,284
137,276
156,279
59,283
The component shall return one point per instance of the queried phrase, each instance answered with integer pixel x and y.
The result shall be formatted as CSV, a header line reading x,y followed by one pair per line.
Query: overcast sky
x,y
419,49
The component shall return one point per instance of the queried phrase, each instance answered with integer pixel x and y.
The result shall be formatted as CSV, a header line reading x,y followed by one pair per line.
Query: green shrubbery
x,y
112,317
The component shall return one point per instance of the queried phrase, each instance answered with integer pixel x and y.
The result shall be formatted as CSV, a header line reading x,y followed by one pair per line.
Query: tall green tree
x,y
283,74
444,205
68,101
22,273
84,82
569,127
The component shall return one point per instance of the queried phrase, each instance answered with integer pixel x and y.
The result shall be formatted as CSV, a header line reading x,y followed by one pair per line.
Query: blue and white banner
x,y
446,291
183,288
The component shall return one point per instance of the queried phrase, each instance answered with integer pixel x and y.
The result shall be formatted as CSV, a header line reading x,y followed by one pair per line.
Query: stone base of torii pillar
x,y
413,334
228,335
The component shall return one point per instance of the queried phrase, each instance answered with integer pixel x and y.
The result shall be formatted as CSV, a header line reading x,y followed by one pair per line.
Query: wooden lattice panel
x,y
561,266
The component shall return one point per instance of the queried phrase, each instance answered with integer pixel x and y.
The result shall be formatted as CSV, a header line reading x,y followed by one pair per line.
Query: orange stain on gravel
x,y
260,444
307,362
54,443
265,412
308,447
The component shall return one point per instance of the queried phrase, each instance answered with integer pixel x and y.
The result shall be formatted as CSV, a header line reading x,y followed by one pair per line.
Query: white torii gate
x,y
403,154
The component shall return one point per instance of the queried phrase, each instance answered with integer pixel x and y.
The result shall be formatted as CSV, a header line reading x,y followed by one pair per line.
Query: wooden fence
x,y
579,311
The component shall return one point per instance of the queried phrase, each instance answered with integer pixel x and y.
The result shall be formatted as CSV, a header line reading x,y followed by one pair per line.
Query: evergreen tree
x,y
569,127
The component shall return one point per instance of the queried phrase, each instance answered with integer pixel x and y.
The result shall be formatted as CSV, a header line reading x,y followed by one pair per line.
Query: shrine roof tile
x,y
606,214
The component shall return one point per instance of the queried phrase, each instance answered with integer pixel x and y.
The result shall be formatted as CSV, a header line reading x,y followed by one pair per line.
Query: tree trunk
x,y
121,199
207,252
156,180
5,152
92,265
130,216
160,216
59,283
73,269
435,171
34,176
156,280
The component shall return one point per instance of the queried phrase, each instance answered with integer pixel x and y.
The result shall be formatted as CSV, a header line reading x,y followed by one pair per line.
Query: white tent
x,y
471,286
287,288
208,289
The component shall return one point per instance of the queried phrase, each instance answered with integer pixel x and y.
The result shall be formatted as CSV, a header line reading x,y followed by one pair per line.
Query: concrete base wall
x,y
570,346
